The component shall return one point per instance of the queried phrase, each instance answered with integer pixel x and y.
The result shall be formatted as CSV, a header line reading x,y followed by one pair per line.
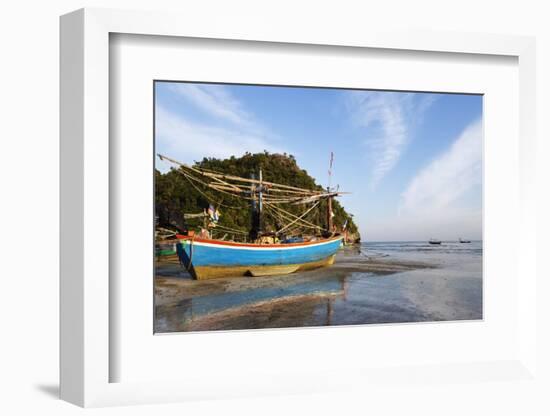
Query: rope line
x,y
208,197
299,218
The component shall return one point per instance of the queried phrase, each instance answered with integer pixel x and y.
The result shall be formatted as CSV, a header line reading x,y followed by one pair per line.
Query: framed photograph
x,y
251,238
237,208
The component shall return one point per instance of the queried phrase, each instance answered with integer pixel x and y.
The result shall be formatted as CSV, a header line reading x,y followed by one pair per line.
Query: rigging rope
x,y
273,195
299,218
234,230
217,177
302,222
208,197
281,211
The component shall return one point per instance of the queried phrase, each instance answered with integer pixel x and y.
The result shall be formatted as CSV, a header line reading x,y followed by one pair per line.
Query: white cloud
x,y
218,102
389,118
440,201
230,130
187,141
449,176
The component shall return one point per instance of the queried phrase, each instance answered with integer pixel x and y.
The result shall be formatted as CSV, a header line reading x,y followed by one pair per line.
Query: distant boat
x,y
434,241
460,240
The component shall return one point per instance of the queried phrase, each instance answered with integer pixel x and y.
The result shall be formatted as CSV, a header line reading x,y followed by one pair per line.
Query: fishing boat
x,y
460,240
434,241
264,253
208,259
165,242
165,248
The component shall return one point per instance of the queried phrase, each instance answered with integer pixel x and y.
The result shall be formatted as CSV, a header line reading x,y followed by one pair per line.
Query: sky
x,y
412,161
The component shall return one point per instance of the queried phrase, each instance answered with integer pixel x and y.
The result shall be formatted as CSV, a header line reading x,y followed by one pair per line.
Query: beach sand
x,y
357,289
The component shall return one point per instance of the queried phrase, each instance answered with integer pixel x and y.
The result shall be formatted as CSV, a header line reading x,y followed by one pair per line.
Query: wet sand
x,y
170,275
357,289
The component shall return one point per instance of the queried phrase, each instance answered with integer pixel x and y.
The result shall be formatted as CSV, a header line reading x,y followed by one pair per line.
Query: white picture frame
x,y
86,356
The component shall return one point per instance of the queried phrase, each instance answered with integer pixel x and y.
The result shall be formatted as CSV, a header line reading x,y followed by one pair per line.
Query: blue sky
x,y
413,161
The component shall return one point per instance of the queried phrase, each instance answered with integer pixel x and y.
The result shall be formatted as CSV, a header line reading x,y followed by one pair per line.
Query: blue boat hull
x,y
207,259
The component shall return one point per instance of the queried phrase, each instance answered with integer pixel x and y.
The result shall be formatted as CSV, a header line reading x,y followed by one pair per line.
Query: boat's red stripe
x,y
232,243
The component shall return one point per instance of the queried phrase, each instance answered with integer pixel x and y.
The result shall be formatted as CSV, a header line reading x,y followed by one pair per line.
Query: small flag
x,y
213,213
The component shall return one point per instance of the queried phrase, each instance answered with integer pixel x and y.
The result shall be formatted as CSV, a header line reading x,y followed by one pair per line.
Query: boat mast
x,y
329,212
257,207
260,203
329,199
254,225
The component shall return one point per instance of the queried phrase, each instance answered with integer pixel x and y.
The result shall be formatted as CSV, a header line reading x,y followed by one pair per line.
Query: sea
x,y
448,287
452,289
